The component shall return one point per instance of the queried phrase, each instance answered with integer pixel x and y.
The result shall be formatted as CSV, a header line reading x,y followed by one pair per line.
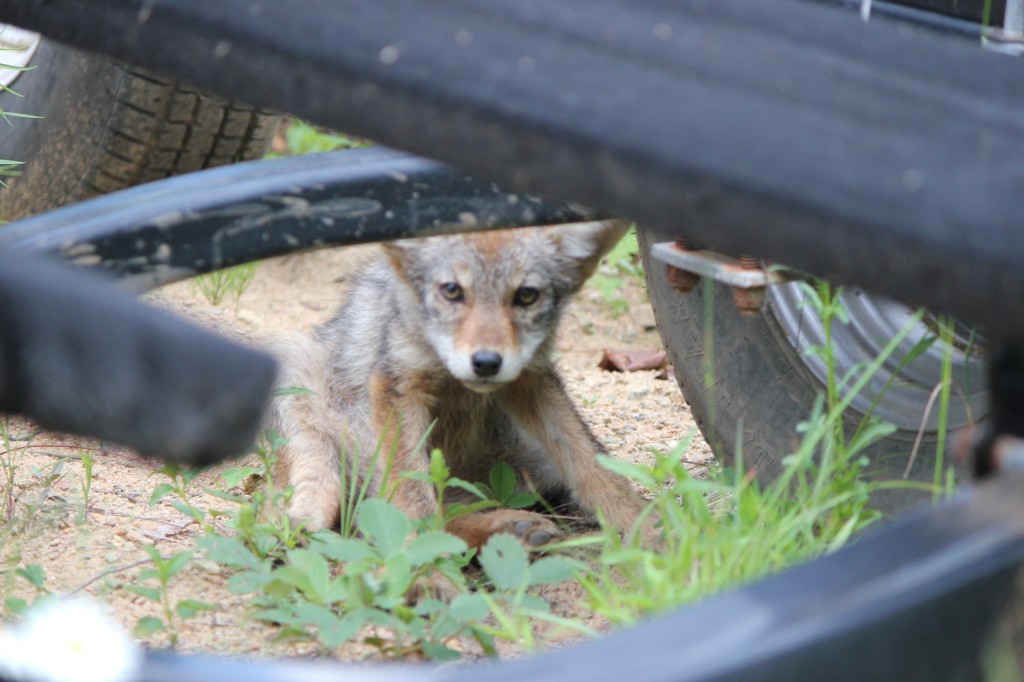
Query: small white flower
x,y
68,641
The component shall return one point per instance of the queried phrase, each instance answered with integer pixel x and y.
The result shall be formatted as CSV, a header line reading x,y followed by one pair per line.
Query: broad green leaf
x,y
521,500
148,625
549,571
249,581
234,476
385,525
430,545
536,604
307,571
503,481
230,552
469,607
313,614
398,575
505,561
338,632
335,547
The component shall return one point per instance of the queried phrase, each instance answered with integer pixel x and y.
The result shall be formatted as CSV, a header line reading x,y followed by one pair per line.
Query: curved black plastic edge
x,y
78,356
180,227
932,597
869,154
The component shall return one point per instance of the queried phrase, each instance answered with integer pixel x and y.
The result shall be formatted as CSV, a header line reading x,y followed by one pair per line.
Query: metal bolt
x,y
749,262
748,301
683,281
687,245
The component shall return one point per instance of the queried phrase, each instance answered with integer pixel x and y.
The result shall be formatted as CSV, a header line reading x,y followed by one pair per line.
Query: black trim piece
x,y
180,227
787,129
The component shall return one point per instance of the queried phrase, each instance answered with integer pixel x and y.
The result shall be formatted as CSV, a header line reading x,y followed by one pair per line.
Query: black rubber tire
x,y
758,381
106,127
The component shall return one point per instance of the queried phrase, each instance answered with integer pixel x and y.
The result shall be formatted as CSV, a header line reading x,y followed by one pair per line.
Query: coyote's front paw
x,y
532,529
311,513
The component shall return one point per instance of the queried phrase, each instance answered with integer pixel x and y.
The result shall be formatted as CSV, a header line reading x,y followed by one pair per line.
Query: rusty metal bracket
x,y
747,276
731,271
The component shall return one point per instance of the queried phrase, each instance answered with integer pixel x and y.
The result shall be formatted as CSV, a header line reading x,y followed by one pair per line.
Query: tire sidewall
x,y
749,389
75,94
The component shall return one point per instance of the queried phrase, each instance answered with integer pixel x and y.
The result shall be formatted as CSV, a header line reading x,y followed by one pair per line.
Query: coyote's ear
x,y
587,243
399,253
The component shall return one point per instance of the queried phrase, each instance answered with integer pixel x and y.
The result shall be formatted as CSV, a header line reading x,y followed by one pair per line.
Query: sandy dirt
x,y
94,546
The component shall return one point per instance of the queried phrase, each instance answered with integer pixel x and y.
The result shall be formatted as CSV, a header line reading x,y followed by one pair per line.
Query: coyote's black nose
x,y
486,363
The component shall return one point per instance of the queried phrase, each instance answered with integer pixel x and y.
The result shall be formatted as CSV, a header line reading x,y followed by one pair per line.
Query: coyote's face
x,y
491,300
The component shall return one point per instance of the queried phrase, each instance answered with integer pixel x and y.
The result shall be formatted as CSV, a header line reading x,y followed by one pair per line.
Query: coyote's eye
x,y
526,296
451,291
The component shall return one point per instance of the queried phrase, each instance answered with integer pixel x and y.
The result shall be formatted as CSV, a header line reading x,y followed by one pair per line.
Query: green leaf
x,y
430,545
249,581
436,651
308,572
338,632
234,476
335,547
160,492
237,499
187,608
34,574
385,525
230,552
641,475
148,625
189,510
522,500
178,562
505,561
469,607
467,486
150,593
148,574
536,604
15,606
397,576
549,571
503,481
292,390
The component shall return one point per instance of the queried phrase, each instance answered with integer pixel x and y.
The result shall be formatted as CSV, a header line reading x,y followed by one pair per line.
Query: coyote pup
x,y
456,330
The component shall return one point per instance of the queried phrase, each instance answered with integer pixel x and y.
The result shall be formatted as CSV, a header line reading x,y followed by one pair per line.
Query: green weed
x,y
332,588
303,138
618,269
34,575
728,530
218,285
173,613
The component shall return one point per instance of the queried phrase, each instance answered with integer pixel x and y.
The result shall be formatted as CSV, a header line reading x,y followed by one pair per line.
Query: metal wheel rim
x,y
16,50
874,321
